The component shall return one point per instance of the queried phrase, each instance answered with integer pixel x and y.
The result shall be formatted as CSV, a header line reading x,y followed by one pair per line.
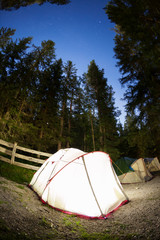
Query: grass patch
x,y
44,222
1,202
6,233
77,228
15,173
20,187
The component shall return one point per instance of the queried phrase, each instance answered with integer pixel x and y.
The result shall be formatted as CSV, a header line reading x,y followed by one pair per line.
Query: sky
x,y
81,31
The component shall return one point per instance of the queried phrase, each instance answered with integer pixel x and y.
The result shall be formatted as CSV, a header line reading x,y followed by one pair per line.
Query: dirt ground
x,y
22,211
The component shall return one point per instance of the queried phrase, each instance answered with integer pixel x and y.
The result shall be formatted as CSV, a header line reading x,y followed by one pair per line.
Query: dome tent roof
x,y
79,183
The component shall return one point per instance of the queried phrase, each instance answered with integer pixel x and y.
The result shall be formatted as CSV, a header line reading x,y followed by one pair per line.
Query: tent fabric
x,y
132,171
123,165
79,183
152,164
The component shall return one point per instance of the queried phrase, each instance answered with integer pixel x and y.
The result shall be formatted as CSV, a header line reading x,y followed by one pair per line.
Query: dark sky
x,y
80,30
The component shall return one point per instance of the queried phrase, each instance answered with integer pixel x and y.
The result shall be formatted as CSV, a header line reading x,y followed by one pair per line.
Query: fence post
x,y
13,153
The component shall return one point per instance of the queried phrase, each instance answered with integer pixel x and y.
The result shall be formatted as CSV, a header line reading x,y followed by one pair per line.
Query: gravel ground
x,y
23,212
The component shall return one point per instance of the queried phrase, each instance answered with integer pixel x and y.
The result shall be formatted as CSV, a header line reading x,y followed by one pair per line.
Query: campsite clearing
x,y
22,213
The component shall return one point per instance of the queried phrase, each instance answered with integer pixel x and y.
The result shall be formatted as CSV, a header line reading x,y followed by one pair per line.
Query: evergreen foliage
x,y
46,106
101,103
137,49
16,4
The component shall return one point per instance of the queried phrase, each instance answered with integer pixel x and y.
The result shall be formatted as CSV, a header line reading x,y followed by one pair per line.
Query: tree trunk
x,y
69,122
84,140
61,127
101,137
92,129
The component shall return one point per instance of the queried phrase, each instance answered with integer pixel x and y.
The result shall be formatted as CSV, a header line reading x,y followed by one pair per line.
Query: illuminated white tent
x,y
79,183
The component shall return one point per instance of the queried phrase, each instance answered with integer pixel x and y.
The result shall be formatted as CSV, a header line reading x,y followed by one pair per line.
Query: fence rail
x,y
20,156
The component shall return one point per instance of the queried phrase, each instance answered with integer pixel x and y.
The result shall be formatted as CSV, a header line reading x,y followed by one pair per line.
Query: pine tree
x,y
137,51
15,66
69,87
101,103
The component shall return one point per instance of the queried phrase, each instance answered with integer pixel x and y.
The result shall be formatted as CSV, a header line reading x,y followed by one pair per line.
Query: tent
x,y
79,183
131,170
152,164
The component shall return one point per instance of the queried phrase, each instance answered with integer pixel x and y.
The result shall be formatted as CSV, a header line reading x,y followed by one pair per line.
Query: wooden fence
x,y
22,157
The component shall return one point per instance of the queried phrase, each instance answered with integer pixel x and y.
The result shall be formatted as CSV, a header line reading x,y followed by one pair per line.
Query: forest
x,y
44,105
